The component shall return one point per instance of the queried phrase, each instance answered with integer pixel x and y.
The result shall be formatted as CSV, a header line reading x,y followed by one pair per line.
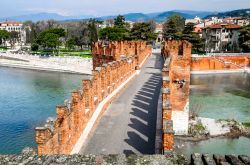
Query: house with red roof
x,y
221,37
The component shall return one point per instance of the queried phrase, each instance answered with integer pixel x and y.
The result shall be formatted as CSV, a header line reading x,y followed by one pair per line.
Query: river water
x,y
220,96
27,99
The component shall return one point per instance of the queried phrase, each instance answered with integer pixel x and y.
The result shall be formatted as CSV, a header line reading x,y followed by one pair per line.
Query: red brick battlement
x,y
59,136
104,52
175,86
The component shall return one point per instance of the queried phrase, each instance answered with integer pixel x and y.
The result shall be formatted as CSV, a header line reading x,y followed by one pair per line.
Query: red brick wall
x,y
60,136
220,63
104,52
176,82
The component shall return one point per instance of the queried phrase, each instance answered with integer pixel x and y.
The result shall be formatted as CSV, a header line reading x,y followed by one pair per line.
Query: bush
x,y
247,124
34,47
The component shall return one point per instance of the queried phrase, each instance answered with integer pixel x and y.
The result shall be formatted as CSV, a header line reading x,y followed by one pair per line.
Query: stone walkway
x,y
129,124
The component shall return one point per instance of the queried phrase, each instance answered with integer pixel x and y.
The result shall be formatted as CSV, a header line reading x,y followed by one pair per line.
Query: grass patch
x,y
76,54
199,127
247,124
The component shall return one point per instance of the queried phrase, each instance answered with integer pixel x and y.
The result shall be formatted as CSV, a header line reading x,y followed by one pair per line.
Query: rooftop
x,y
224,25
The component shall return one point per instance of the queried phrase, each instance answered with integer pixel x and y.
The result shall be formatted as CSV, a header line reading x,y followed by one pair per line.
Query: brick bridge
x,y
141,119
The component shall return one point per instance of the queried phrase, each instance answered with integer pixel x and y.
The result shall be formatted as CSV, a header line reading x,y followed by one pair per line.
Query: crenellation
x,y
175,86
110,71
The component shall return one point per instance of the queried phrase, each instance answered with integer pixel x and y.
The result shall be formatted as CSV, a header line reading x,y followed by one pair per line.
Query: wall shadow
x,y
144,114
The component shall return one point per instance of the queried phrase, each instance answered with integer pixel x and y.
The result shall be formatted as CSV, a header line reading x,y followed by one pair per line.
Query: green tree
x,y
93,34
244,39
71,43
59,31
119,21
51,41
142,31
194,38
4,35
113,34
14,37
173,27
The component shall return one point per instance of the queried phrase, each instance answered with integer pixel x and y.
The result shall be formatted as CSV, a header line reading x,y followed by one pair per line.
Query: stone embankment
x,y
76,65
204,128
76,119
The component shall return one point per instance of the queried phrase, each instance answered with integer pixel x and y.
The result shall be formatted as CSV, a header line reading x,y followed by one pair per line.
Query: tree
x,y
50,38
59,31
142,31
173,27
244,39
4,35
113,34
70,43
119,21
152,25
14,37
194,38
93,35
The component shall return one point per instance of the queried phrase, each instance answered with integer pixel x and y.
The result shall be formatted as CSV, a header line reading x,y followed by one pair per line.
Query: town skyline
x,y
97,8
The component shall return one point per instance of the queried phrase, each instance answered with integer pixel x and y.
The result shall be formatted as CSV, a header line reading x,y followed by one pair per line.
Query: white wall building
x,y
221,37
195,20
17,27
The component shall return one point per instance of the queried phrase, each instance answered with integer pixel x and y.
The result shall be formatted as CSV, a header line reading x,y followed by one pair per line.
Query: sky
x,y
111,7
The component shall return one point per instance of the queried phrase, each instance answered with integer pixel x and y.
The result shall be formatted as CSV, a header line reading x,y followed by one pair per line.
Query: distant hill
x,y
42,16
135,17
159,16
234,13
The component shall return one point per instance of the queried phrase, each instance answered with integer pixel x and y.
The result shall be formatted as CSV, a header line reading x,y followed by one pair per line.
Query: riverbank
x,y
206,128
75,65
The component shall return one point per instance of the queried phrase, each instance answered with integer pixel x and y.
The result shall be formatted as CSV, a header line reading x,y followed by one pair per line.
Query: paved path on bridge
x,y
129,124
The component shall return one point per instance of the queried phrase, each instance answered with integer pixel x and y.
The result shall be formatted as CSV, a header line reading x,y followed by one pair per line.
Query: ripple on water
x,y
27,99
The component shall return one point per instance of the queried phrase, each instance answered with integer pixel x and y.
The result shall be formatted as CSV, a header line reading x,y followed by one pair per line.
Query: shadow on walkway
x,y
144,114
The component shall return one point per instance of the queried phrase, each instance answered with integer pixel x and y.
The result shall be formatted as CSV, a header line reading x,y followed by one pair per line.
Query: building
x,y
221,37
17,27
159,31
11,26
195,20
106,23
238,20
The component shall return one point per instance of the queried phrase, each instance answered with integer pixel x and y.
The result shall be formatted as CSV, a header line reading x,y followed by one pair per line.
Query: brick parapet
x,y
105,52
175,86
58,136
220,63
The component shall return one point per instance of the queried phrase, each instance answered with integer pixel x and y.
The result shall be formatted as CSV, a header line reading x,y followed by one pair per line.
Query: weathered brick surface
x,y
220,63
113,65
175,87
114,51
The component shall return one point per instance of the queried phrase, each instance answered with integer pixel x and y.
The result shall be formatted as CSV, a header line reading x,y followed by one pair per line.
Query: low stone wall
x,y
175,90
28,156
220,63
50,63
60,136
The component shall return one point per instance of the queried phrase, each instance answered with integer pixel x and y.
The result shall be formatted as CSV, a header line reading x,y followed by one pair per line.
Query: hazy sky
x,y
107,7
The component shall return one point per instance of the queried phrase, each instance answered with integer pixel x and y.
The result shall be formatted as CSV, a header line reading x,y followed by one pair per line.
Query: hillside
x,y
135,17
234,13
